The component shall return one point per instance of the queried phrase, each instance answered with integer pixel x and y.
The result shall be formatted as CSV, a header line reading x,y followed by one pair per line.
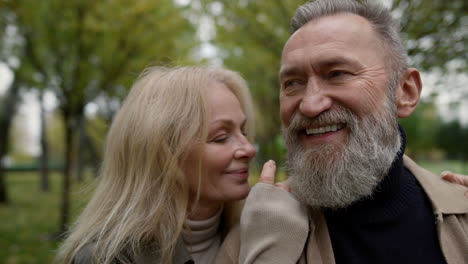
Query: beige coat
x,y
270,237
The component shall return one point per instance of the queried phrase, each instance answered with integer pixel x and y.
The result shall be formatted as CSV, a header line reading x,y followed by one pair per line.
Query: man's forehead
x,y
337,22
336,27
345,33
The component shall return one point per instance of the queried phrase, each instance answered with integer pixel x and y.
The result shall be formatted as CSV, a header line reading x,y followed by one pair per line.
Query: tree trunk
x,y
44,159
65,205
80,149
10,103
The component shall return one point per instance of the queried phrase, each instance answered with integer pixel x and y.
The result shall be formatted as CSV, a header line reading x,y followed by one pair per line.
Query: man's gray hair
x,y
375,13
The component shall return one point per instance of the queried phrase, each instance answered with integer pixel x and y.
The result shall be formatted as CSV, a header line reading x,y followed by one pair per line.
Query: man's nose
x,y
315,101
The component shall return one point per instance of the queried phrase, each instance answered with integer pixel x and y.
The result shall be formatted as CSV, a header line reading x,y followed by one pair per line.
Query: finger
x,y
268,172
455,178
283,186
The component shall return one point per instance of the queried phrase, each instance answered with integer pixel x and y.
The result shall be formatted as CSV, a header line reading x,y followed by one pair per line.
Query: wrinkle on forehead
x,y
343,30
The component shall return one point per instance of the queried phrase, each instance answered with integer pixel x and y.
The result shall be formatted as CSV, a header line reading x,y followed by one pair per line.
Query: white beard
x,y
334,176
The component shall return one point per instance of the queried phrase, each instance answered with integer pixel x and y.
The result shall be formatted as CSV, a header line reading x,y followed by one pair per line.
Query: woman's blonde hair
x,y
143,195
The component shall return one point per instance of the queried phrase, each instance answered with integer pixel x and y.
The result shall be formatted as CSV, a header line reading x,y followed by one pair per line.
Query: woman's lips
x,y
240,173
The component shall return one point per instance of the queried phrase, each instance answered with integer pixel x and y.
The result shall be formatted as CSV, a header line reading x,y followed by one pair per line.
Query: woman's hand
x,y
274,226
456,178
268,176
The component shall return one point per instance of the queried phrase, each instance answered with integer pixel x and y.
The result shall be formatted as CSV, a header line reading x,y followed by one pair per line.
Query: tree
x,y
83,49
6,116
10,100
435,32
44,158
436,36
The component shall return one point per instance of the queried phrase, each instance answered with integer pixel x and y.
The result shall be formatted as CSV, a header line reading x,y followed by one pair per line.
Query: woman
x,y
176,161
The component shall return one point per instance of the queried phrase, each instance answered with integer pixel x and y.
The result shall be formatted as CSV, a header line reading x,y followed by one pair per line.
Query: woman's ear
x,y
408,92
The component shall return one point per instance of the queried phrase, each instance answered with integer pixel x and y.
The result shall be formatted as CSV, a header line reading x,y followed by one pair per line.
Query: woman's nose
x,y
245,151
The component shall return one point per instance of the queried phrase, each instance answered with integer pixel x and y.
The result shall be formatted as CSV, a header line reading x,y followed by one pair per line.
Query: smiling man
x,y
338,109
344,84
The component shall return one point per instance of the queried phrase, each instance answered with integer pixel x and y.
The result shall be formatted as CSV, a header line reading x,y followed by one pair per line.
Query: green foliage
x,y
435,32
83,48
454,138
422,128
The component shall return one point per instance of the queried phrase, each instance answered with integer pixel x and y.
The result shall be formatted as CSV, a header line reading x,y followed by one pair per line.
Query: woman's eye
x,y
220,139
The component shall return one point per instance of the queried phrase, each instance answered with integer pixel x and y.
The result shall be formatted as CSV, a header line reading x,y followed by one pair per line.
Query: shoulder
x,y
446,198
85,255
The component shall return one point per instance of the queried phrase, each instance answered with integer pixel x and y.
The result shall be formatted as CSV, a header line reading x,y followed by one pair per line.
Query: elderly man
x,y
344,84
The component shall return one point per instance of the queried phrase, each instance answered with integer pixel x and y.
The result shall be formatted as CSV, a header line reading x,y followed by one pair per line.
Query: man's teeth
x,y
325,129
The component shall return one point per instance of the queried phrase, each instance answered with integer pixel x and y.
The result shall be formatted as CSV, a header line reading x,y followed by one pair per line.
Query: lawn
x,y
438,167
28,225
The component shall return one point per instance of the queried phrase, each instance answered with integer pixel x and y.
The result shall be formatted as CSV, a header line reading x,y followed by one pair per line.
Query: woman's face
x,y
227,152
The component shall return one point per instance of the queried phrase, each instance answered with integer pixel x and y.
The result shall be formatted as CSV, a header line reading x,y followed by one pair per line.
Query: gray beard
x,y
335,176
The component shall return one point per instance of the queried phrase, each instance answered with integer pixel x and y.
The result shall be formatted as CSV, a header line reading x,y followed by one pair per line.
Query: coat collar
x,y
446,198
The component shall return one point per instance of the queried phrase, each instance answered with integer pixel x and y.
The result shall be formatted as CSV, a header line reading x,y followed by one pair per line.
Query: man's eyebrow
x,y
322,64
287,70
337,61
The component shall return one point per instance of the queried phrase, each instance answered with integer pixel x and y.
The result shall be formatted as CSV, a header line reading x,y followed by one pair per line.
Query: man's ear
x,y
408,92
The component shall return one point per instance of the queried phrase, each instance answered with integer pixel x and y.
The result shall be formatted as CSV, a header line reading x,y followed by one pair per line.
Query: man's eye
x,y
335,74
290,83
292,86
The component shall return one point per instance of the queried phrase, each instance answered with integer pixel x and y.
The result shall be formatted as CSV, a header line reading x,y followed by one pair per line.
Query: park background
x,y
65,67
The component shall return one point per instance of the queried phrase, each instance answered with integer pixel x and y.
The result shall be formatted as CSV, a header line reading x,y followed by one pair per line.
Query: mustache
x,y
338,115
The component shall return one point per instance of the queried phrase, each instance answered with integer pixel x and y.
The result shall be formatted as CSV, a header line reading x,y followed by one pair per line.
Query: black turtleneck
x,y
395,225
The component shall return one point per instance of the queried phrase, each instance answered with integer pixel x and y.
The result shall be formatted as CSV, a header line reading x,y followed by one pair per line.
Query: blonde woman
x,y
176,161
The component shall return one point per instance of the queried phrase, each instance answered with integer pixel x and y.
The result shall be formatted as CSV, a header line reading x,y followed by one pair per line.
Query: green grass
x,y
29,223
438,167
